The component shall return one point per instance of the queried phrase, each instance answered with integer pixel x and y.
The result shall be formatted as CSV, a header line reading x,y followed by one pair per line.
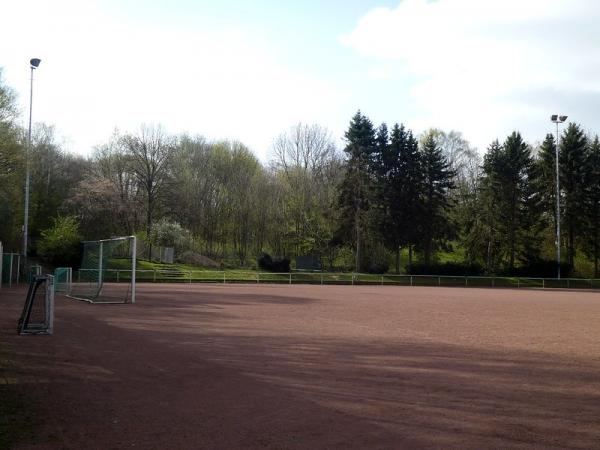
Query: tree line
x,y
390,200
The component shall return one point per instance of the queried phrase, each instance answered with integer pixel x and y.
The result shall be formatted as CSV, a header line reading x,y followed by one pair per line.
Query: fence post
x,y
543,283
224,277
352,279
466,281
257,278
117,275
321,279
290,277
411,282
190,277
518,282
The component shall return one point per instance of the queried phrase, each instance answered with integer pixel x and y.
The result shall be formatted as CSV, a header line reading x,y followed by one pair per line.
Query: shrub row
x,y
265,262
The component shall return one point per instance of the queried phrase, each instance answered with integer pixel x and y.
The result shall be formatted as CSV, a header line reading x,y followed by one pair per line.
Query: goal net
x,y
107,271
10,266
63,277
38,312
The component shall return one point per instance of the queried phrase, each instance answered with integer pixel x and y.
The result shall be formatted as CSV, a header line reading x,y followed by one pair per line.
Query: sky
x,y
249,70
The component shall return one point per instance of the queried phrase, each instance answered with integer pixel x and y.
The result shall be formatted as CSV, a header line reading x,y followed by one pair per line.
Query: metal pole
x,y
100,265
557,206
133,243
10,271
26,219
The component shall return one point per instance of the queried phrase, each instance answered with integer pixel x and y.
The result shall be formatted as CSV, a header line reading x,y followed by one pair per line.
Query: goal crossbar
x,y
93,283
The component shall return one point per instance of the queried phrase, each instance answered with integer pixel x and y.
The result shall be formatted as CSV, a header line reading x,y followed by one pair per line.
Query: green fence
x,y
323,278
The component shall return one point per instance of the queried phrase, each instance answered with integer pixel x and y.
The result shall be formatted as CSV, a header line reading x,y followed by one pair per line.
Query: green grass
x,y
185,273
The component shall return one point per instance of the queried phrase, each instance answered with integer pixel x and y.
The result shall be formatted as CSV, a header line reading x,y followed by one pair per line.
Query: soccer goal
x,y
63,278
38,312
107,271
10,266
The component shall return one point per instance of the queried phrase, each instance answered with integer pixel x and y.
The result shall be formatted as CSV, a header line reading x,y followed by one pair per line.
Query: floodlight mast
x,y
34,64
557,119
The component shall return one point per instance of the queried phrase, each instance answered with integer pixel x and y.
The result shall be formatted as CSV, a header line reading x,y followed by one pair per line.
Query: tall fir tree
x,y
411,160
382,143
546,161
572,161
393,181
592,205
490,190
511,197
356,190
433,222
403,188
517,173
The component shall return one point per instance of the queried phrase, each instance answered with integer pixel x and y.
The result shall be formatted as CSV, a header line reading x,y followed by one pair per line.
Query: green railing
x,y
323,278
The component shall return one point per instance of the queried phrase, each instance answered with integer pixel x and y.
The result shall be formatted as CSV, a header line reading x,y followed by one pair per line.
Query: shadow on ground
x,y
165,381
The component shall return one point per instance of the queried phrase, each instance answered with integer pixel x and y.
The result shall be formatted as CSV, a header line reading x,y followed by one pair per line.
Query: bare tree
x,y
308,147
458,152
113,169
150,150
304,158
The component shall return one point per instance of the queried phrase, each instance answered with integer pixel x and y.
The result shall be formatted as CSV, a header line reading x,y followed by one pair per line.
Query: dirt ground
x,y
313,367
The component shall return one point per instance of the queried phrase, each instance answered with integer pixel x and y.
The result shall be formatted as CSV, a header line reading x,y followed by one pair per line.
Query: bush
x,y
59,244
539,269
166,233
375,259
265,262
449,268
377,267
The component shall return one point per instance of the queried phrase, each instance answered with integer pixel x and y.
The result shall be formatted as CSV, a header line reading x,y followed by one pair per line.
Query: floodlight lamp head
x,y
563,118
554,117
35,62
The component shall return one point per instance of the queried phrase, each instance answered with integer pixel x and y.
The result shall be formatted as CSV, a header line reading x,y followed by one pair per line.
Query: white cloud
x,y
381,73
474,60
100,71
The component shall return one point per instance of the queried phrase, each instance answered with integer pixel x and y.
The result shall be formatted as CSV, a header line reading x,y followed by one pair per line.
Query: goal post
x,y
107,271
37,316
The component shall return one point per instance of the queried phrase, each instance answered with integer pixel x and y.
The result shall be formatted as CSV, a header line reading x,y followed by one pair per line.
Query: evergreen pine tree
x,y
592,205
403,192
357,185
546,162
490,195
437,182
394,180
382,143
511,201
572,161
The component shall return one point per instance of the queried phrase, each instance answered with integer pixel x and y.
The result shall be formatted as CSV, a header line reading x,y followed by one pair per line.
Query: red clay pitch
x,y
311,367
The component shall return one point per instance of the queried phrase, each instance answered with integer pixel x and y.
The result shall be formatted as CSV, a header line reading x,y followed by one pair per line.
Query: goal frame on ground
x,y
26,326
101,270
